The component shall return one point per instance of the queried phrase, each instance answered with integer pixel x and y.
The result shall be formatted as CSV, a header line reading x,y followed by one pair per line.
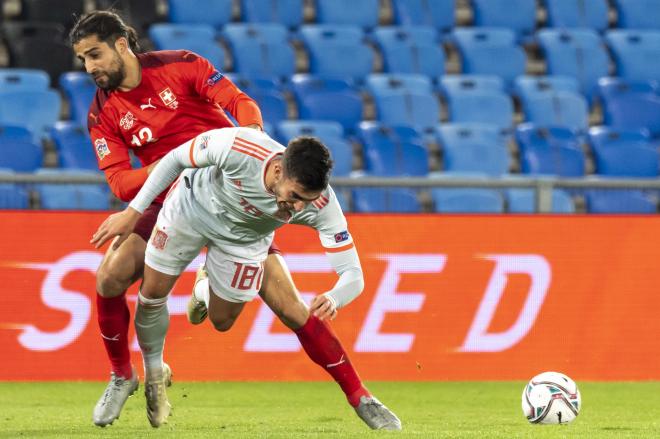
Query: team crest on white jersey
x,y
168,98
159,240
101,147
127,121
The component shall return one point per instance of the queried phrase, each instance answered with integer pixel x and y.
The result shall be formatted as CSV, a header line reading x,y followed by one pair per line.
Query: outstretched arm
x,y
189,155
349,285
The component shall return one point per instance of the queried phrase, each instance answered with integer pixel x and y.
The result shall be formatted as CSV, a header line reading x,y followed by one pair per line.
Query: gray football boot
x,y
158,406
114,397
196,311
376,415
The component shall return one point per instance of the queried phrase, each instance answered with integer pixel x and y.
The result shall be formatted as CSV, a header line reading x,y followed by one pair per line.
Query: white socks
x,y
201,291
152,319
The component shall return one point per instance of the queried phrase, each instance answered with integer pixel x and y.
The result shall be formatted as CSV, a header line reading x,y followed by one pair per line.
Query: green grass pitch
x,y
316,410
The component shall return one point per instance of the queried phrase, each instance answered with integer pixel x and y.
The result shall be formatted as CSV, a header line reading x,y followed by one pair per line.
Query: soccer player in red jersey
x,y
149,104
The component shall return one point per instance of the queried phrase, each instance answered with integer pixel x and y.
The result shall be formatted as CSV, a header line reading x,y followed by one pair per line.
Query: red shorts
x,y
147,221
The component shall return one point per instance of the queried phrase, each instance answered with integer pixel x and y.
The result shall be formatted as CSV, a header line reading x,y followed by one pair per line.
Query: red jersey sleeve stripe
x,y
250,148
340,249
192,152
253,145
250,153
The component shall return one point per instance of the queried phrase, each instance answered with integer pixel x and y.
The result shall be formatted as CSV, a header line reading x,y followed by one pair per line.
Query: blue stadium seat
x,y
272,104
376,200
522,200
216,13
337,51
404,100
54,196
363,13
550,151
343,200
450,84
13,79
393,150
467,200
578,13
411,50
20,154
79,88
10,133
483,50
74,147
474,148
439,14
624,153
636,53
517,15
579,53
619,201
528,86
286,12
12,196
482,107
35,110
261,50
327,99
630,105
198,38
560,109
638,14
332,135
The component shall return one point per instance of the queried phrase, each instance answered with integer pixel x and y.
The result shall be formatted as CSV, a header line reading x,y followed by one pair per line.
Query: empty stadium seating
x,y
474,148
439,14
521,200
490,51
55,196
518,15
411,50
624,153
215,13
630,104
198,38
35,110
467,200
636,53
550,151
74,147
638,14
337,51
579,53
261,51
286,12
577,14
393,150
385,200
79,88
363,13
327,99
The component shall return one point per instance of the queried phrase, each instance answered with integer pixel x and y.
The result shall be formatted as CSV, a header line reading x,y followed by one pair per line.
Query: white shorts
x,y
235,270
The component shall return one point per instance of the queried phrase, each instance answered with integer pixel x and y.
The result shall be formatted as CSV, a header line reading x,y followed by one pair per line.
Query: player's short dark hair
x,y
108,26
307,161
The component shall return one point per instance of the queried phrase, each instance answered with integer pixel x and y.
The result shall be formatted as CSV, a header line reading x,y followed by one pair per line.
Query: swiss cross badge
x,y
168,98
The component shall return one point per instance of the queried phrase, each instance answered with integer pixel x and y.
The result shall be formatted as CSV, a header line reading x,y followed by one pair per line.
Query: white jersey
x,y
229,184
227,194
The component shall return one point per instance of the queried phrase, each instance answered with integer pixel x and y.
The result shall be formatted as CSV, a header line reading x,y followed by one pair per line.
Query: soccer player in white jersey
x,y
243,185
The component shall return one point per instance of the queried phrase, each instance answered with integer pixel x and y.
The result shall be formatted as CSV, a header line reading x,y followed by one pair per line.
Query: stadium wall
x,y
446,298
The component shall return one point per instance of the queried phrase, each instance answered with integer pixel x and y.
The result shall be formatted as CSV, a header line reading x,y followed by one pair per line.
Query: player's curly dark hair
x,y
307,161
107,26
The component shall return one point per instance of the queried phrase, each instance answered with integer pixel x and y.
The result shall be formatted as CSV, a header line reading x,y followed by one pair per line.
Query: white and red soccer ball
x,y
551,398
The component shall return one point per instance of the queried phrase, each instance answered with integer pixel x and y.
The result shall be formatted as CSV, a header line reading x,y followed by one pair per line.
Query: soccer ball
x,y
551,398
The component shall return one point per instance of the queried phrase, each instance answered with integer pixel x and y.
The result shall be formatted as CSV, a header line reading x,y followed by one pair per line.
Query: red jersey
x,y
179,96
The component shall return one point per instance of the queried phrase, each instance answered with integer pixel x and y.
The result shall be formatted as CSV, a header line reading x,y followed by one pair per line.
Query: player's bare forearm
x,y
118,224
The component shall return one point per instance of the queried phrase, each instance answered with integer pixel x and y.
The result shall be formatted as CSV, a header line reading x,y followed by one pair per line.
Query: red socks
x,y
114,317
325,349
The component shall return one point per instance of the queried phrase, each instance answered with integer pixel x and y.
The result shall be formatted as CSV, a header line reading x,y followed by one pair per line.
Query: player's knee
x,y
109,283
222,324
293,314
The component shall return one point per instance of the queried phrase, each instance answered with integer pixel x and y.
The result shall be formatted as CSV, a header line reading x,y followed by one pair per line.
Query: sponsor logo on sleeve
x,y
214,78
101,147
341,236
